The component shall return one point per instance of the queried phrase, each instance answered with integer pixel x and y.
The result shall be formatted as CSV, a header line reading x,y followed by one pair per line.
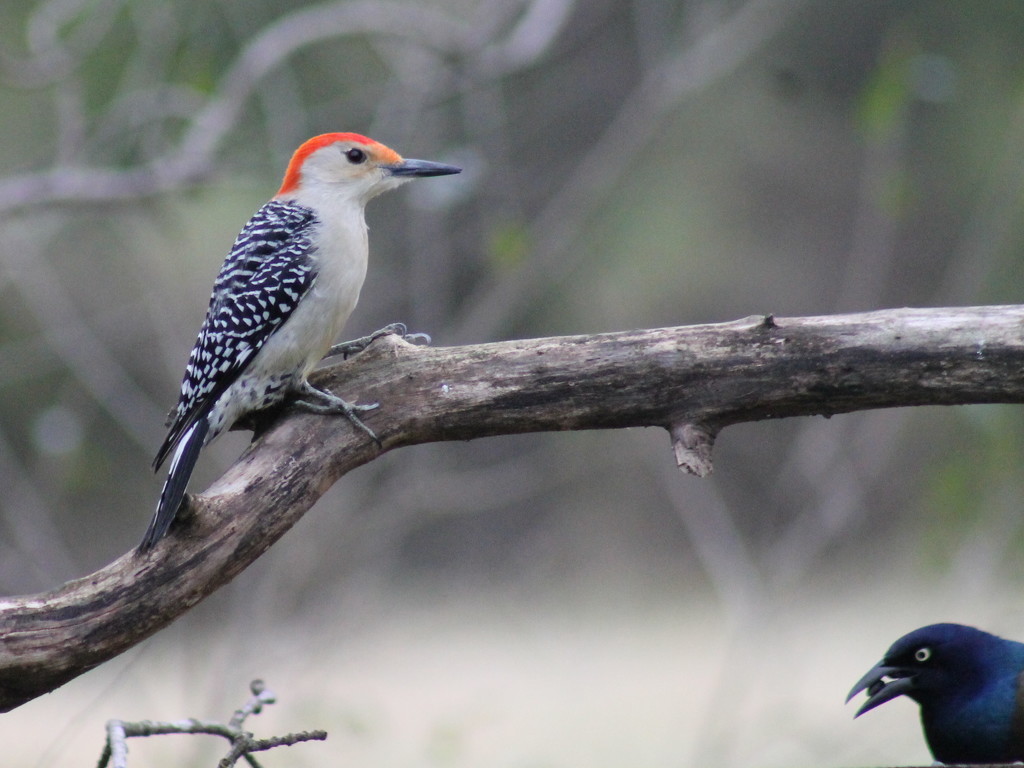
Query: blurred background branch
x,y
628,165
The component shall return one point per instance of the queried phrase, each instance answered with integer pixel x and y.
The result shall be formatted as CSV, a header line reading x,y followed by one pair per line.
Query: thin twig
x,y
115,751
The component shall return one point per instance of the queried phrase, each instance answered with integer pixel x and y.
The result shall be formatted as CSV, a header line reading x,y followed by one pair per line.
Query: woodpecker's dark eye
x,y
355,156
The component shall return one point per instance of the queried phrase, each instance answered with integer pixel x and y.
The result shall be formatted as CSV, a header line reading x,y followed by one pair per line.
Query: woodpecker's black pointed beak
x,y
880,690
421,168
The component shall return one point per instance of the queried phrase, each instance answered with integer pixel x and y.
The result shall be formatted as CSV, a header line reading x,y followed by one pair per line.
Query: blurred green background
x,y
544,600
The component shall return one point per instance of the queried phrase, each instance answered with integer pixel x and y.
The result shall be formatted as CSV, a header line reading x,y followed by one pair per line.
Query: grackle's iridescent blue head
x,y
968,685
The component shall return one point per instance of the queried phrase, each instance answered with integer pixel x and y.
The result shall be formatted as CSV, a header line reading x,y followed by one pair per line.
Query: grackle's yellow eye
x,y
922,654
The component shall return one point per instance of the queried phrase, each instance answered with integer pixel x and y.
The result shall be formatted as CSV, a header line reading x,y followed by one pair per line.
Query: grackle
x,y
968,684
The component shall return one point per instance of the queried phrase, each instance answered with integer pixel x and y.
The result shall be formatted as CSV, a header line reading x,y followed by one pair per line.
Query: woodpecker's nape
x,y
266,328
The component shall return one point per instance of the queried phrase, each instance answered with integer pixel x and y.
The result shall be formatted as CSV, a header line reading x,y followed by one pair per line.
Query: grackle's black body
x,y
968,685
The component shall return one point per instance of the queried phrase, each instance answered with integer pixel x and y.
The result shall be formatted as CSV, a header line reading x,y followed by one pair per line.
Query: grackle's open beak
x,y
880,690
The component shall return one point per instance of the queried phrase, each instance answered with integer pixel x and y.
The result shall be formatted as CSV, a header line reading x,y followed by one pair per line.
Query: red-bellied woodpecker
x,y
284,292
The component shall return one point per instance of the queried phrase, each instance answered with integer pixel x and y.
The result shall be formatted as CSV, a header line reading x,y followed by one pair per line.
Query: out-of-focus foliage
x,y
628,164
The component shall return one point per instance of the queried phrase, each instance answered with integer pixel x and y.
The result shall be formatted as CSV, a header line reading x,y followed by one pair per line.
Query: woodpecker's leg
x,y
318,401
349,348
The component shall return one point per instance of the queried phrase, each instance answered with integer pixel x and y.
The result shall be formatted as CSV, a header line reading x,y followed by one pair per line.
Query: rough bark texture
x,y
692,381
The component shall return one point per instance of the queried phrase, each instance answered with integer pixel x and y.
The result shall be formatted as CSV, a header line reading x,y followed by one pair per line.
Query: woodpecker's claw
x,y
418,339
319,401
348,348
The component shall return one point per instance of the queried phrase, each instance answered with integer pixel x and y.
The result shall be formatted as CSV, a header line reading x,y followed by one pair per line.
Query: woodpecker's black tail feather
x,y
184,461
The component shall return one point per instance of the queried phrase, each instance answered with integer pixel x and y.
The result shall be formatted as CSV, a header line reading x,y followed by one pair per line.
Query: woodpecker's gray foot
x,y
348,348
319,401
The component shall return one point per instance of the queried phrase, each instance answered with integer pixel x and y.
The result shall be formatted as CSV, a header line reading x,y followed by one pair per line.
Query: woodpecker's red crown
x,y
292,177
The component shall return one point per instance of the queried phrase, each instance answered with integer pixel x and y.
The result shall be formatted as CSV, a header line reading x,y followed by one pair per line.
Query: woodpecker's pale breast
x,y
300,340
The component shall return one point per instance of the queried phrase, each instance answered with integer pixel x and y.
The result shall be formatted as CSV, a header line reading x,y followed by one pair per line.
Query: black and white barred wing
x,y
259,286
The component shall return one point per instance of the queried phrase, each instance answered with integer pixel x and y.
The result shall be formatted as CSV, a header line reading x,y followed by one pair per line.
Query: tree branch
x,y
243,743
692,381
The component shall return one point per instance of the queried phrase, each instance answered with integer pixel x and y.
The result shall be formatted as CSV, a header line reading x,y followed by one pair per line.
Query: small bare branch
x,y
260,695
115,751
692,444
